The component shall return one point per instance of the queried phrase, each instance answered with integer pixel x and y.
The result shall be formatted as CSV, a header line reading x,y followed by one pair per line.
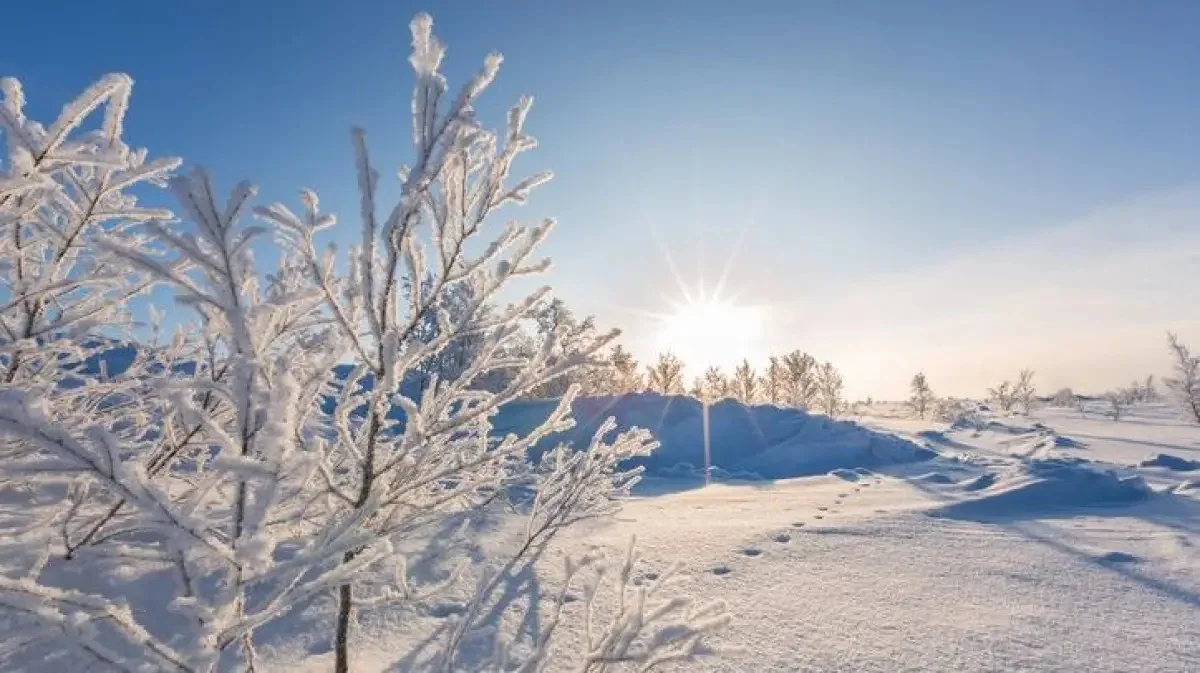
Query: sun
x,y
711,332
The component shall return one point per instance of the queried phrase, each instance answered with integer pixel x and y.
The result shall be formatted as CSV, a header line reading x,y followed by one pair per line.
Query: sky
x,y
960,188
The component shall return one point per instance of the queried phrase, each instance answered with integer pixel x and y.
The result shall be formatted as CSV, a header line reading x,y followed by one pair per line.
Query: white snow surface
x,y
1029,543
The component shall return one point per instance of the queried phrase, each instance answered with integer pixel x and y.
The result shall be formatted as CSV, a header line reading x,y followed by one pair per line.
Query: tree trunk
x,y
342,642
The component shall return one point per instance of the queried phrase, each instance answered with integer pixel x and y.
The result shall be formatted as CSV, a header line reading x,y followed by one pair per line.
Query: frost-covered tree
x,y
714,385
922,395
1143,391
665,376
773,384
801,387
617,375
1185,385
1064,398
554,319
744,384
1003,395
1119,401
271,453
1149,389
1024,392
829,389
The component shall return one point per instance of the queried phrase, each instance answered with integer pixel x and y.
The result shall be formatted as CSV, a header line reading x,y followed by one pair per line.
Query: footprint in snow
x,y
783,538
798,524
822,509
1119,557
721,570
650,577
818,516
444,610
751,551
838,501
843,495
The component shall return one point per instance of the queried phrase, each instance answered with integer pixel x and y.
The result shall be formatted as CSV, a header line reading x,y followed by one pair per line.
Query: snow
x,y
747,442
981,558
1043,543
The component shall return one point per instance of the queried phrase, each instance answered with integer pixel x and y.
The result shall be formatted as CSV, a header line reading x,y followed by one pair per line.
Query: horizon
x,y
960,190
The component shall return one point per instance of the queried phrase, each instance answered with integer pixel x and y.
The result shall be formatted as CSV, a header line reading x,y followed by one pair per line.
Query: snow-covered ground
x,y
1032,544
1021,544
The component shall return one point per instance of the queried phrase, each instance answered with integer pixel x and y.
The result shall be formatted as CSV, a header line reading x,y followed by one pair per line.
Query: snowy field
x,y
1027,544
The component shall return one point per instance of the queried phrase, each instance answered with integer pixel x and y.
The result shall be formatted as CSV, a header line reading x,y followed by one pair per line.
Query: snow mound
x,y
981,482
1067,443
1046,484
765,440
1171,463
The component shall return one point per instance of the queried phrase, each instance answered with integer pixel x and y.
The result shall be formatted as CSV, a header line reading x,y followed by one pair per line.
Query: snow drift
x,y
1043,484
1171,462
750,441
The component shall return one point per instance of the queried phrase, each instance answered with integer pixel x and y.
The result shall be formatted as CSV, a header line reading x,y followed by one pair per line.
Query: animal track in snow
x,y
721,570
783,538
751,551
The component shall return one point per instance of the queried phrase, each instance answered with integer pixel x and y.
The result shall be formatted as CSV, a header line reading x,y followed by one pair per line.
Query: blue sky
x,y
852,153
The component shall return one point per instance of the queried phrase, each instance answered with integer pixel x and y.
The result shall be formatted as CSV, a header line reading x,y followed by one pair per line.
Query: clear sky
x,y
960,187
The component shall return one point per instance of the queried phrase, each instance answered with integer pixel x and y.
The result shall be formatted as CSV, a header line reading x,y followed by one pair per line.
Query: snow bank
x,y
1044,484
764,440
1171,463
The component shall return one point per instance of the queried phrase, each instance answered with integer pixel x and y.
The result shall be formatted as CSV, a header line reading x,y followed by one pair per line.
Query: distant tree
x,y
1119,400
922,395
1185,386
555,318
714,385
666,376
744,385
829,389
773,385
617,375
1143,391
1003,396
1024,393
626,376
1081,405
1064,398
1150,390
800,379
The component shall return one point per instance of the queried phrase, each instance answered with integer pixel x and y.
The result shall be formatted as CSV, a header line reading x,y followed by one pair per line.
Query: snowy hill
x,y
760,441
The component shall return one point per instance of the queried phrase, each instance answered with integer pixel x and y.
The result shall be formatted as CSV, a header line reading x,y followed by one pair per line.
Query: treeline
x,y
796,379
